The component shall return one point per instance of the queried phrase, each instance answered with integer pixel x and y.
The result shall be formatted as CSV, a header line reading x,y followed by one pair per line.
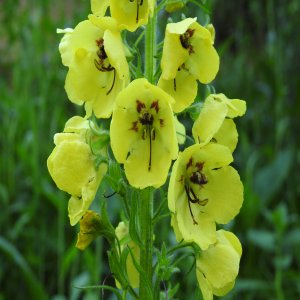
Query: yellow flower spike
x,y
72,167
143,135
189,45
204,190
180,131
183,88
131,14
90,229
213,123
97,71
122,233
218,266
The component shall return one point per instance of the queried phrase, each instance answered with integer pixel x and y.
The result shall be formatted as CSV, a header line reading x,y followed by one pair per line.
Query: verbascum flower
x,y
203,190
131,14
218,266
143,135
215,121
122,233
189,46
73,169
188,55
98,70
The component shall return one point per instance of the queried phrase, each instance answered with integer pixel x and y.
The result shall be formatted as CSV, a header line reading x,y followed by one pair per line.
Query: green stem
x,y
146,227
150,48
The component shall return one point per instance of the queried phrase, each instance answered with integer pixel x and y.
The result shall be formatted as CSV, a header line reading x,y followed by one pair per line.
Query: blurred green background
x,y
259,45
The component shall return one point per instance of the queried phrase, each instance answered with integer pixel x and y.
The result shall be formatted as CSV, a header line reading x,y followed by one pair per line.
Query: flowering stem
x,y
150,48
146,227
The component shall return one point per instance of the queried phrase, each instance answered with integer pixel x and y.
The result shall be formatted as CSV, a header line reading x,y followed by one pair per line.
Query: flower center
x,y
196,177
185,40
144,125
101,65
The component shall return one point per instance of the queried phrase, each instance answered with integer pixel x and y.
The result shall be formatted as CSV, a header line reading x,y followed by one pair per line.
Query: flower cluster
x,y
204,190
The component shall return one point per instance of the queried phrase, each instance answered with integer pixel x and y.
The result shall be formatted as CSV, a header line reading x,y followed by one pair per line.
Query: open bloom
x,y
189,46
188,56
98,69
143,135
122,233
215,121
72,167
218,266
131,14
203,190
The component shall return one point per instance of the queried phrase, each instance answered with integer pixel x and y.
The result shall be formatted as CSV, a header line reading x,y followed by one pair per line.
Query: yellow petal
x,y
174,55
180,27
204,61
203,233
84,36
204,285
129,14
77,124
70,166
78,206
210,120
227,135
99,7
116,53
219,263
183,88
236,107
224,192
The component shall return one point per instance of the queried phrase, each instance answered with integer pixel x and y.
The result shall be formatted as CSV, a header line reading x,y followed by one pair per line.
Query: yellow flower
x,y
131,14
72,167
183,88
143,135
218,266
215,121
123,236
189,46
98,69
90,228
203,190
